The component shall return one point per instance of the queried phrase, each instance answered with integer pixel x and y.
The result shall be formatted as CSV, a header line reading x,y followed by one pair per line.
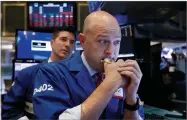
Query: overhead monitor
x,y
47,15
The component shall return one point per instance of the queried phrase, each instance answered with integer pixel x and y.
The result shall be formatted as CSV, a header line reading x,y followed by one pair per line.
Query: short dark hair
x,y
61,29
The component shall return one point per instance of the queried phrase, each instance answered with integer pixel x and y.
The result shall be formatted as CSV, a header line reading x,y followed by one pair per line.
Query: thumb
x,y
106,62
120,61
105,65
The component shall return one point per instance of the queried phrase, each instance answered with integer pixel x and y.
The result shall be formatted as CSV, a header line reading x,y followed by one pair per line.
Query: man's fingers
x,y
132,76
131,69
129,63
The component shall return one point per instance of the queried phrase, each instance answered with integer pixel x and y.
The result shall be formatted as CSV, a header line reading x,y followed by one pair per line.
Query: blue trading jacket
x,y
18,101
66,84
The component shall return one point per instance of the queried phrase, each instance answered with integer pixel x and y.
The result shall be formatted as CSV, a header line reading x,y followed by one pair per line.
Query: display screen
x,y
126,45
51,15
33,45
18,65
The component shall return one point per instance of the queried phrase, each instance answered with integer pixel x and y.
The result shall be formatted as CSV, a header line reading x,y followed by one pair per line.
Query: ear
x,y
81,39
51,42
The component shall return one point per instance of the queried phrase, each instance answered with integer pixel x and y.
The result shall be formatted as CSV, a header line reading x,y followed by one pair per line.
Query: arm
x,y
13,104
46,103
94,105
51,96
138,114
131,73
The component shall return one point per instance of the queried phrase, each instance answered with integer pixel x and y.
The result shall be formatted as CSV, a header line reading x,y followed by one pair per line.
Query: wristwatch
x,y
132,107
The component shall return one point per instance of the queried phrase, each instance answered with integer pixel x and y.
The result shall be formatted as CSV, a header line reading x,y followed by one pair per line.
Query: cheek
x,y
60,44
72,47
98,50
53,45
117,49
57,46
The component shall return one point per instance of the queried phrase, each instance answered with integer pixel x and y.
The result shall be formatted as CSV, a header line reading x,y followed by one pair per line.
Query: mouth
x,y
107,60
66,51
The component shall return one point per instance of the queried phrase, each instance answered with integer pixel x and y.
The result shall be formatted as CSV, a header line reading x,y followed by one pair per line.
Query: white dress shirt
x,y
49,60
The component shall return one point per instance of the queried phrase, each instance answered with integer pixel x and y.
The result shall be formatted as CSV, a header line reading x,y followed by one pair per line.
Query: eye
x,y
116,42
63,39
104,41
72,41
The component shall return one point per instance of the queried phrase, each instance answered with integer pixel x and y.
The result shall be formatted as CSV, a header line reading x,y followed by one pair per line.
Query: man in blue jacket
x,y
70,89
17,103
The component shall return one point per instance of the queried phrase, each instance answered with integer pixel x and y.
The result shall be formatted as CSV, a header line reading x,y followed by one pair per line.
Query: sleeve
x,y
13,103
140,110
51,96
71,114
24,118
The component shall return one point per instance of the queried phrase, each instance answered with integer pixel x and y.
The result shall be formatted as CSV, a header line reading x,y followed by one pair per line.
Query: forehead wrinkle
x,y
102,28
98,30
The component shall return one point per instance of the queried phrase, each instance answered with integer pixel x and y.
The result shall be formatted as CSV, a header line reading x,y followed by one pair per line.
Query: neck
x,y
97,69
54,57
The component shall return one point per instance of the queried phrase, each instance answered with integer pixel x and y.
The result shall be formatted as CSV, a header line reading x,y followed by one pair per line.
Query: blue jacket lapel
x,y
83,77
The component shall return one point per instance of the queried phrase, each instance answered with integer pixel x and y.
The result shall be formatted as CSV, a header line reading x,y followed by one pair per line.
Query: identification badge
x,y
119,93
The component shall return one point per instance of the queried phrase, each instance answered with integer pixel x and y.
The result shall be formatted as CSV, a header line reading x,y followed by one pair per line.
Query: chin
x,y
101,68
62,56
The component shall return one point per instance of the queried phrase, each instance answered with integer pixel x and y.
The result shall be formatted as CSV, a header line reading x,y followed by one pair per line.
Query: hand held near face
x,y
130,71
112,74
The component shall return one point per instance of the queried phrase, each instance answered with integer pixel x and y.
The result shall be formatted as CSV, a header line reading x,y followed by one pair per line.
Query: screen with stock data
x,y
51,15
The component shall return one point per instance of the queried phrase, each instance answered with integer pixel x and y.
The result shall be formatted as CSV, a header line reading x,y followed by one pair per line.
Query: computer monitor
x,y
126,44
20,64
33,45
47,15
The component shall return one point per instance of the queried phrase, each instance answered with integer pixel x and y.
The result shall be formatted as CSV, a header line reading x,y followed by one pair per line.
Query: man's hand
x,y
94,105
112,74
132,74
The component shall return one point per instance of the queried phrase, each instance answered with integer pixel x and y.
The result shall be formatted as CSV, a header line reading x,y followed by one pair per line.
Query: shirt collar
x,y
49,60
90,70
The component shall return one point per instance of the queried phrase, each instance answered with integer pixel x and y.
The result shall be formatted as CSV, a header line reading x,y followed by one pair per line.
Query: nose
x,y
67,43
108,50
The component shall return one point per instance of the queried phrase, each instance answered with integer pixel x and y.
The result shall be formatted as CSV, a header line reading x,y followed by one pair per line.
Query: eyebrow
x,y
118,38
67,38
102,36
63,37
